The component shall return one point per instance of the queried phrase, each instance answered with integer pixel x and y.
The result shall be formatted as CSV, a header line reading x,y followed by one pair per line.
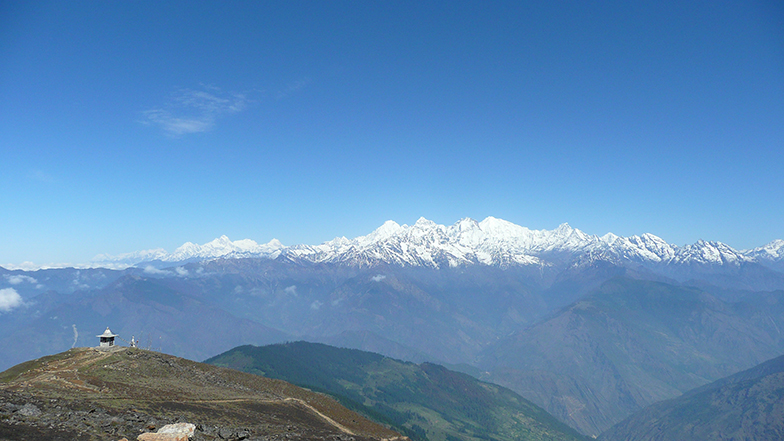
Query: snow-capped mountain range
x,y
490,242
189,251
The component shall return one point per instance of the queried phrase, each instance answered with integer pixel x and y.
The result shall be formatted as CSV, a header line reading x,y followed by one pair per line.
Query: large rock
x,y
170,432
186,428
162,437
30,410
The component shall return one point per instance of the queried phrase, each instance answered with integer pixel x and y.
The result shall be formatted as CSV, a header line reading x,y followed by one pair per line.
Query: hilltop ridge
x,y
88,394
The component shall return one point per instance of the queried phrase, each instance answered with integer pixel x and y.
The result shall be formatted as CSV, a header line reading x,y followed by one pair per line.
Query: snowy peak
x,y
423,223
498,242
388,229
467,224
220,247
714,253
501,228
128,259
491,242
645,248
774,251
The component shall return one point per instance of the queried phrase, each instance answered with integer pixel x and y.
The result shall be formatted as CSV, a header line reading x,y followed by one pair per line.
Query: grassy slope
x,y
425,401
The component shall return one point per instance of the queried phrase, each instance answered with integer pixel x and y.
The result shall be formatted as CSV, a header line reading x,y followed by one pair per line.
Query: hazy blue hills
x,y
425,401
461,309
631,343
161,317
748,405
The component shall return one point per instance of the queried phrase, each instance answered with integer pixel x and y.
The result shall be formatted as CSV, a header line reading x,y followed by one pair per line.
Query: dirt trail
x,y
341,427
329,420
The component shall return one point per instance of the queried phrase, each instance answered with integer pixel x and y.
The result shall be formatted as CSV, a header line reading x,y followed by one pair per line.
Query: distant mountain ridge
x,y
467,242
746,405
190,252
631,343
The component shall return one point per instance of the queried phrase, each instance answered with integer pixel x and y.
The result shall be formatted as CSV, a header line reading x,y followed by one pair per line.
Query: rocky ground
x,y
86,395
25,417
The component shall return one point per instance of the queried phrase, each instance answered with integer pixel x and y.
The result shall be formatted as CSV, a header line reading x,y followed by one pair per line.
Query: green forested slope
x,y
425,401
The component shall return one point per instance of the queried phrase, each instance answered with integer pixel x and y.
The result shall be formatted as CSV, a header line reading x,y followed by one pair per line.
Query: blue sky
x,y
131,125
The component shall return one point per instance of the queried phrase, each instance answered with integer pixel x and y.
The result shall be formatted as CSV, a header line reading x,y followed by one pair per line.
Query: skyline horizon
x,y
139,125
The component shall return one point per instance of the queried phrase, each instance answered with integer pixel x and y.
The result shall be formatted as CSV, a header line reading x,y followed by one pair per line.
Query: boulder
x,y
149,436
186,428
30,410
170,432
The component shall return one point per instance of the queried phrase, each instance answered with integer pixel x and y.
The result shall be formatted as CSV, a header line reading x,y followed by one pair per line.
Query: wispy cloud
x,y
195,110
293,87
41,176
17,279
149,269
